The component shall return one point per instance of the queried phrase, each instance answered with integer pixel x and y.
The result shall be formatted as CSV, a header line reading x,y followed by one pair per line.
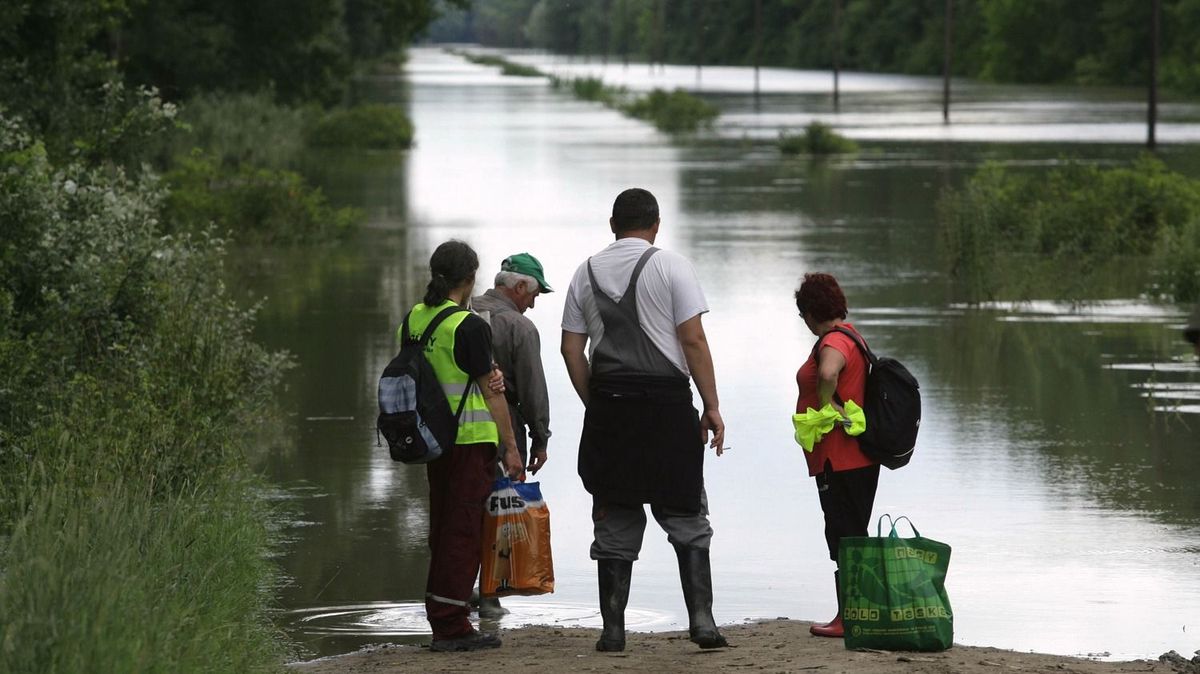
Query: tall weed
x,y
237,129
121,580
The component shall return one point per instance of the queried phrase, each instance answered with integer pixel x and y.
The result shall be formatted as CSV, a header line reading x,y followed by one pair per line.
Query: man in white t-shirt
x,y
643,442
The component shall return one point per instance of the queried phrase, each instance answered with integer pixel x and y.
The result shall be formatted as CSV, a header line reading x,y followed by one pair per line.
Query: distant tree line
x,y
55,55
1033,41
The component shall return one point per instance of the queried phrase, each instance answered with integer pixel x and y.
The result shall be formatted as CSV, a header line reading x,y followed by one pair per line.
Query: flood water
x,y
1058,454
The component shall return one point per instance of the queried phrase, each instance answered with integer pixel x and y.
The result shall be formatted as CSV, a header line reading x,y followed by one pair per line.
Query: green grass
x,y
122,581
818,139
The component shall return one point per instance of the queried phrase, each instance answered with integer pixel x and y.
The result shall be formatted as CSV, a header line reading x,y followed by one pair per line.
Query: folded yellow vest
x,y
815,424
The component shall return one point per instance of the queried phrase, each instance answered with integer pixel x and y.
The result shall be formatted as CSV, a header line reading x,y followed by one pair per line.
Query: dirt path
x,y
773,647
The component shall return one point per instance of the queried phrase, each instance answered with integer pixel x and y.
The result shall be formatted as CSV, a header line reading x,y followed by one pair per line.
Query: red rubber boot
x,y
830,629
834,627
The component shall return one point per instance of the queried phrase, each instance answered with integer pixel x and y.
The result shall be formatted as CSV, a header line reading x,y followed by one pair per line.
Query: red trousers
x,y
459,483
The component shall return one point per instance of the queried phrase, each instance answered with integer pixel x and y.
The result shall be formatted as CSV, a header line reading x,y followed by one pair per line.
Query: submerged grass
x,y
510,68
674,112
818,139
1075,232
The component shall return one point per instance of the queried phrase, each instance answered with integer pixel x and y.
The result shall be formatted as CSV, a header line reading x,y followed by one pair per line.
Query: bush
x,y
253,204
242,129
818,139
370,127
673,112
593,89
1078,224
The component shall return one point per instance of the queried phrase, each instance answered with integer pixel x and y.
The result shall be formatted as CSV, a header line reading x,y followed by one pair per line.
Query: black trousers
x,y
847,497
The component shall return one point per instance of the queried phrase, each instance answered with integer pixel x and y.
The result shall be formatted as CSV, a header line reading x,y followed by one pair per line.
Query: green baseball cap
x,y
524,263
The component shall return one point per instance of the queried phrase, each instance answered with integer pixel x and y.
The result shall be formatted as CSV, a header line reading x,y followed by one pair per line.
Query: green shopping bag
x,y
893,591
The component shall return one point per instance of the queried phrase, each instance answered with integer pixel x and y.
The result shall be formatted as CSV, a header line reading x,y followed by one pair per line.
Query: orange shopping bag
x,y
516,541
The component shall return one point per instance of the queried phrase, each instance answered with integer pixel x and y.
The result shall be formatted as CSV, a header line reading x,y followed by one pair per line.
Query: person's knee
x,y
608,550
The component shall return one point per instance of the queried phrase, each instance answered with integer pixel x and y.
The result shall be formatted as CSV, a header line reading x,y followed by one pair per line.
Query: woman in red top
x,y
846,478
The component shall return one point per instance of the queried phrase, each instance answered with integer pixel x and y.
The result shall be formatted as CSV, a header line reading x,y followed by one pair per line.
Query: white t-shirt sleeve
x,y
687,297
573,319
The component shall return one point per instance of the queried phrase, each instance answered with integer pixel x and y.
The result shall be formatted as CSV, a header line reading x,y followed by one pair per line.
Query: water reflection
x,y
1065,489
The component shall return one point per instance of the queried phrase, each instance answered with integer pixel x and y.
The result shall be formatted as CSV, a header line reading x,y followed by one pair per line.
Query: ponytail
x,y
451,263
437,291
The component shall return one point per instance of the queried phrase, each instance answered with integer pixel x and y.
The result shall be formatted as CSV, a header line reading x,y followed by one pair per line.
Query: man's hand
x,y
537,458
512,464
711,421
496,381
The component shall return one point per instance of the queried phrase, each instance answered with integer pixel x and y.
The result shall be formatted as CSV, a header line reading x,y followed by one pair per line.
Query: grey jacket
x,y
517,348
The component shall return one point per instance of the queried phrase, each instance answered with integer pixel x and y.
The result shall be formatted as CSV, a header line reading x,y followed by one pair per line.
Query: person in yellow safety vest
x,y
460,351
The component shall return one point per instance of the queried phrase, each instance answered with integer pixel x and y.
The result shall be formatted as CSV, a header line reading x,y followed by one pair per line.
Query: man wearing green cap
x,y
517,350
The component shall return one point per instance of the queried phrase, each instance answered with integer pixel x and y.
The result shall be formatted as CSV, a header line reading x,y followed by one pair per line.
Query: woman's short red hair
x,y
821,298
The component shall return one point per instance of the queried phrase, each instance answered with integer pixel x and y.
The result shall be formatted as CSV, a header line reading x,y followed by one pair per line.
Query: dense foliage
x,y
1106,41
52,52
1075,232
133,536
128,382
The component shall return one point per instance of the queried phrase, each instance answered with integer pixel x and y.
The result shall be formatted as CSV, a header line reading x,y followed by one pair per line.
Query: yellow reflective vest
x,y
476,424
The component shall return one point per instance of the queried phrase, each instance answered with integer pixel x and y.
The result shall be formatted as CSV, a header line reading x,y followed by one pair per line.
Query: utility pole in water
x,y
948,47
837,48
698,39
1152,111
757,45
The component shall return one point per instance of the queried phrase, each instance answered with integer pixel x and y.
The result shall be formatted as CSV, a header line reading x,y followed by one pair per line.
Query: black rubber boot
x,y
695,574
614,576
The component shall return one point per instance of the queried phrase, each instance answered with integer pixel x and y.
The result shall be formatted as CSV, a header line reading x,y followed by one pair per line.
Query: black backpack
x,y
414,414
892,407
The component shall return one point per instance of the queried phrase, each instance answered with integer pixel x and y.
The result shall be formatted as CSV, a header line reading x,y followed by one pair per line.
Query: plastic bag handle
x,y
894,523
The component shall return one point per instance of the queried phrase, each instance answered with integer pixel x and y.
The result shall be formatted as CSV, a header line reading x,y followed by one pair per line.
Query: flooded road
x,y
1058,454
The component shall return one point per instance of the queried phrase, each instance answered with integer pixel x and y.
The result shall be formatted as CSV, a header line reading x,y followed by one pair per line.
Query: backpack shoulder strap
x,y
433,325
437,320
862,348
858,340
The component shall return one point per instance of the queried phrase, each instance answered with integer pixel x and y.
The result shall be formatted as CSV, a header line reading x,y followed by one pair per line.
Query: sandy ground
x,y
773,646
